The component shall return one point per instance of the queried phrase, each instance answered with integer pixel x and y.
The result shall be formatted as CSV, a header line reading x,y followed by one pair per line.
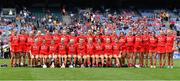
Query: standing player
x,y
123,48
40,38
145,48
130,48
99,48
65,37
30,42
137,48
170,46
56,37
153,50
14,49
22,46
161,48
72,53
116,51
81,51
62,53
90,52
52,51
48,38
34,52
44,49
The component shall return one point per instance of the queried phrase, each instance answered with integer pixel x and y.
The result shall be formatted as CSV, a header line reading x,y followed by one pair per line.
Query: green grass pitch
x,y
89,73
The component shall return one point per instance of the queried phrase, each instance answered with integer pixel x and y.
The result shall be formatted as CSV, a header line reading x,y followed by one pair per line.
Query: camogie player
x,y
56,37
170,47
72,53
14,41
107,52
52,51
145,48
48,38
99,48
81,52
65,37
90,52
116,52
62,53
40,38
44,50
22,46
153,49
161,48
30,42
130,48
137,48
34,52
123,48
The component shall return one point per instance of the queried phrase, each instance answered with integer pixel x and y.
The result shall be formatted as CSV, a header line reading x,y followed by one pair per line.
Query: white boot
x,y
52,66
44,66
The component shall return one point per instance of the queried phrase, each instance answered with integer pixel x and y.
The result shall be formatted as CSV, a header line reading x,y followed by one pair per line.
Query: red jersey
x,y
62,49
35,49
48,39
116,47
30,41
99,49
108,48
138,41
90,49
72,49
161,40
81,37
81,48
40,39
130,40
22,39
14,40
145,40
113,37
170,40
122,42
44,49
56,38
152,41
104,37
52,49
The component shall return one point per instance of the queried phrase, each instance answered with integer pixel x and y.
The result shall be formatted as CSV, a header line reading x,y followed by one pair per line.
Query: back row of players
x,y
92,50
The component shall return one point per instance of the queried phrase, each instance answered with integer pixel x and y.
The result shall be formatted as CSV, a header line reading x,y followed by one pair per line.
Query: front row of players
x,y
98,53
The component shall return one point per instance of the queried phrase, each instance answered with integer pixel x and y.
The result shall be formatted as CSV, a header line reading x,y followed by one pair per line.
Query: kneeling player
x,y
34,52
99,54
90,52
72,51
44,53
107,52
62,53
52,52
81,51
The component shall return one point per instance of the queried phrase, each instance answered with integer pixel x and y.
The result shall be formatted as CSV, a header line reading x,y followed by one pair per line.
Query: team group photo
x,y
90,40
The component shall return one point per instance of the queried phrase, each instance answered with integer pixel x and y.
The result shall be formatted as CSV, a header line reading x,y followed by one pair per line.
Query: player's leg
x,y
151,59
88,60
93,60
110,60
171,60
154,59
97,60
